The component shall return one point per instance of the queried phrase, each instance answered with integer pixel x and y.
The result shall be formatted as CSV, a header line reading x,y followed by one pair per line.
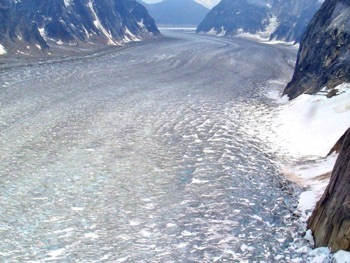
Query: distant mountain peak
x,y
275,19
177,12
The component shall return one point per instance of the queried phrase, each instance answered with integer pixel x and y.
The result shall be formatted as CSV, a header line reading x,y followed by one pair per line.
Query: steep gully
x,y
146,154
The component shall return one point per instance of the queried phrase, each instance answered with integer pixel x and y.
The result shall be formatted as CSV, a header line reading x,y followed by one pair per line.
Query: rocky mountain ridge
x,y
273,19
29,26
323,63
324,54
16,31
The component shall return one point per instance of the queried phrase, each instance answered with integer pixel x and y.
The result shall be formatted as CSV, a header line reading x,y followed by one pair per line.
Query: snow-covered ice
x,y
303,131
2,50
309,237
311,124
341,257
264,37
140,158
145,155
320,255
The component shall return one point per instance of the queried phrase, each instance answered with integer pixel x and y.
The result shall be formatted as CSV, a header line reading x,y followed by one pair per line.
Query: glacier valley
x,y
146,154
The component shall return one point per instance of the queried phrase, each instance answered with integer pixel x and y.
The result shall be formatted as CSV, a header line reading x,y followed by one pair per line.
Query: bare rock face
x,y
324,54
330,221
275,19
17,32
74,21
39,24
293,24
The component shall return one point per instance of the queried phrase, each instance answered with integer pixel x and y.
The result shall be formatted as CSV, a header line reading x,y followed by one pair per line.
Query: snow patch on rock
x,y
99,25
67,2
271,27
2,50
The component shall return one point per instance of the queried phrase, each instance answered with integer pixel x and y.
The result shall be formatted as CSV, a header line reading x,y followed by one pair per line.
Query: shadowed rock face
x,y
330,221
16,31
324,54
280,19
83,19
324,61
77,22
293,25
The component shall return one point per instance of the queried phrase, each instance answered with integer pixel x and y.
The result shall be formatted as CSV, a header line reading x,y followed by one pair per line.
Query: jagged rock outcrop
x,y
17,32
324,54
292,26
82,22
330,221
177,12
275,19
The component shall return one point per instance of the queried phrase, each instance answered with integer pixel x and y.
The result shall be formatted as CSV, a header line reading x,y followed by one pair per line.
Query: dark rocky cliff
x,y
330,221
280,19
17,32
324,61
177,12
81,22
292,25
324,54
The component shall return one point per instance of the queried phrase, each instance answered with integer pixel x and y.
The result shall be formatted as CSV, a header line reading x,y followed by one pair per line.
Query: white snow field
x,y
2,50
306,128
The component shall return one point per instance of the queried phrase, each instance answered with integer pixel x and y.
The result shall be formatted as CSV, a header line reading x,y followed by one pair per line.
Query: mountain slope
x,y
292,26
324,61
330,220
279,19
16,32
73,20
324,54
177,12
84,22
